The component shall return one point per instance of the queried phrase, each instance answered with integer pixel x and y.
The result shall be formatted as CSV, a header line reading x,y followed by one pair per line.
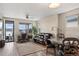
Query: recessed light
x,y
54,5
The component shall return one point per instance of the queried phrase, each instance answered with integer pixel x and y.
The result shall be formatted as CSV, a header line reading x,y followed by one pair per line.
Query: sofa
x,y
2,43
42,37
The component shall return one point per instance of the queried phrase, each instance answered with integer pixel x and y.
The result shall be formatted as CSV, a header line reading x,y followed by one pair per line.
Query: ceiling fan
x,y
30,17
27,16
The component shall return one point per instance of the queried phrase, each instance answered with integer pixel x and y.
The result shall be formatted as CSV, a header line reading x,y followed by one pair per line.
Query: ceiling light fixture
x,y
54,5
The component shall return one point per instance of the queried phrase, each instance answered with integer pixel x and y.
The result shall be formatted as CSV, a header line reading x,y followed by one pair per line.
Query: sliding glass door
x,y
9,31
1,30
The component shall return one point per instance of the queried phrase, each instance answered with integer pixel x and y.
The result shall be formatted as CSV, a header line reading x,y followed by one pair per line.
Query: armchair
x,y
2,43
23,38
71,46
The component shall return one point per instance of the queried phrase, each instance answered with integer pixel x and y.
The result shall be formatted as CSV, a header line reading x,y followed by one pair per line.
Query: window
x,y
30,28
0,24
23,27
9,26
1,29
72,21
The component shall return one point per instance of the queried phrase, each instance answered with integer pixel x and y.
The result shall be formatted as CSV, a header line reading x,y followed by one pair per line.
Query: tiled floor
x,y
10,50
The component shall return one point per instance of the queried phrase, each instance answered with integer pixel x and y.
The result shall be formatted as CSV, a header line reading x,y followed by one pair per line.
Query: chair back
x,y
71,46
70,41
23,35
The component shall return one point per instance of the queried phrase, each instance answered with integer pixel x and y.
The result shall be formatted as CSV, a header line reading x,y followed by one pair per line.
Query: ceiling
x,y
35,10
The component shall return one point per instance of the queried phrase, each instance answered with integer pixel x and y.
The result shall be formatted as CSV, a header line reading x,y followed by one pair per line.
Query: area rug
x,y
28,48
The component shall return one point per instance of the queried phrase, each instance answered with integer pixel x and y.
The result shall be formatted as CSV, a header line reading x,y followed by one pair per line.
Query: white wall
x,y
46,24
69,32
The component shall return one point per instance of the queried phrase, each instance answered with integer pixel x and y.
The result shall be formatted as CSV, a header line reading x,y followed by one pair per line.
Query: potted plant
x,y
34,31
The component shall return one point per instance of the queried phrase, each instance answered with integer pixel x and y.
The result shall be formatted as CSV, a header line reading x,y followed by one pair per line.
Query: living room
x,y
39,29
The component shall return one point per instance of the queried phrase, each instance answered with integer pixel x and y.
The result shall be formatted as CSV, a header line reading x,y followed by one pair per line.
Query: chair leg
x,y
46,51
54,51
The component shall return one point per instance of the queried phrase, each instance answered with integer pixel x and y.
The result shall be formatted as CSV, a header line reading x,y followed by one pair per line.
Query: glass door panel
x,y
1,29
9,31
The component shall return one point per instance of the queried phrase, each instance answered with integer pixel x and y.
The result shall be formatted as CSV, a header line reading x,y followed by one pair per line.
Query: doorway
x,y
9,31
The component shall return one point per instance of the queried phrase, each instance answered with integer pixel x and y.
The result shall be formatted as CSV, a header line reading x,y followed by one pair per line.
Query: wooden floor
x,y
10,50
